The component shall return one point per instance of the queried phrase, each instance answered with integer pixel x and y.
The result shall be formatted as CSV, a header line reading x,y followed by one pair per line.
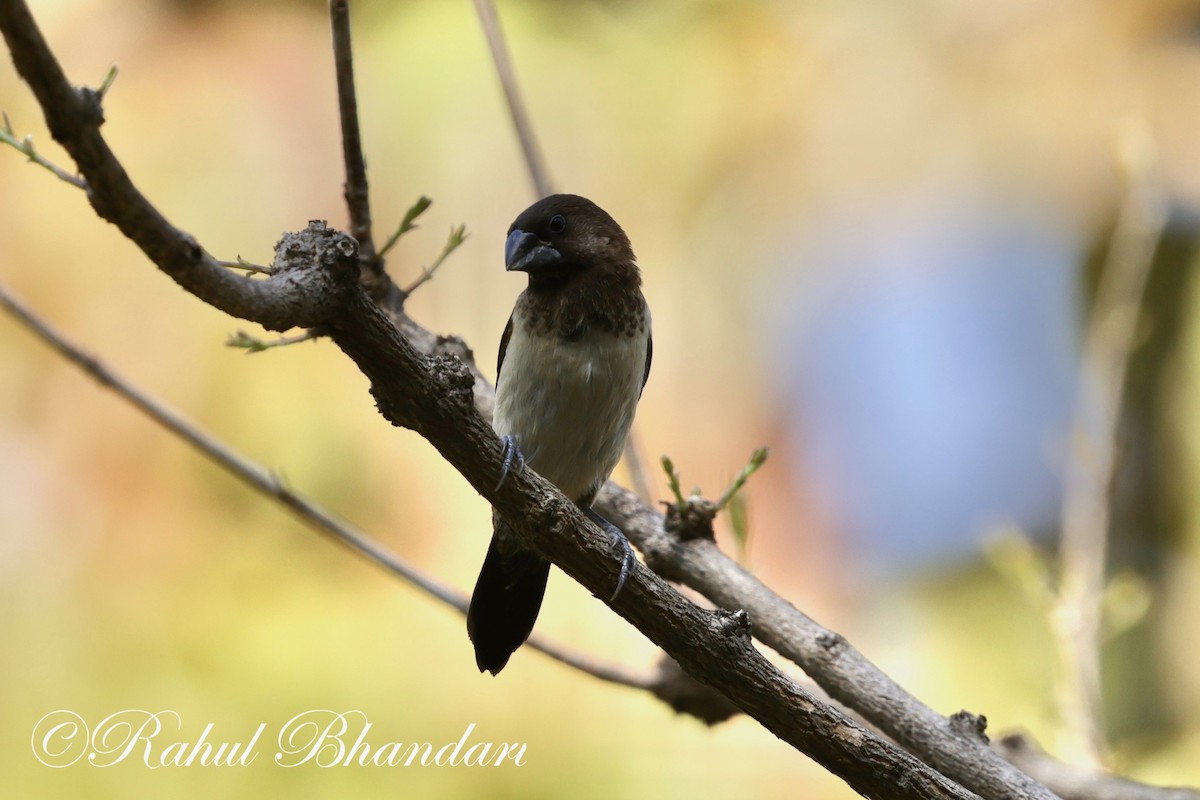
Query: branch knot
x,y
455,377
831,641
90,108
965,724
732,623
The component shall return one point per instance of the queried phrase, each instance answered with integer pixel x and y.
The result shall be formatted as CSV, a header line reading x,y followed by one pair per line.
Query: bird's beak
x,y
525,252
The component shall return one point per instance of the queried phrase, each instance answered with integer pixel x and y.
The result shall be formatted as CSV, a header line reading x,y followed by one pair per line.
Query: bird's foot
x,y
510,454
620,544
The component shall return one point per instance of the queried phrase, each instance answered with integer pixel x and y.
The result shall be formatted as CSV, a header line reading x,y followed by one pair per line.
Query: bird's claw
x,y
510,454
620,544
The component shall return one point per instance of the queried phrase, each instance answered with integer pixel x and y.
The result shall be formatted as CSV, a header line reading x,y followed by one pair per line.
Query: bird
x,y
574,358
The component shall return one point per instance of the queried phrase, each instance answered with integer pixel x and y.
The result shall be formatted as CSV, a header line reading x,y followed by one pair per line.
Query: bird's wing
x,y
649,356
504,348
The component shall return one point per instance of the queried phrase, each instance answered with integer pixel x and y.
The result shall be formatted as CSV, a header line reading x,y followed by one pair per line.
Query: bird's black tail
x,y
506,601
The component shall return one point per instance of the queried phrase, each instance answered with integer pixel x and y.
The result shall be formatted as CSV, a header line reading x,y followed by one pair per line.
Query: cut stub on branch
x,y
692,518
317,247
318,263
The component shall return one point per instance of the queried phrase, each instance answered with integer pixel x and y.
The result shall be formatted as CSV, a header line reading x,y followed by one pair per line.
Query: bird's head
x,y
565,235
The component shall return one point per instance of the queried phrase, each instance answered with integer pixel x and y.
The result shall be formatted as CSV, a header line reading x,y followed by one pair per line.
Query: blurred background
x,y
870,235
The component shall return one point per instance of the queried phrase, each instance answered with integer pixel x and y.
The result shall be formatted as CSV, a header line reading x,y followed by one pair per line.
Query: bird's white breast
x,y
570,404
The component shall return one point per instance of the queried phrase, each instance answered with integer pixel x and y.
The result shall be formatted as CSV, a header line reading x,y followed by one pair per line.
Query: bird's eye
x,y
558,223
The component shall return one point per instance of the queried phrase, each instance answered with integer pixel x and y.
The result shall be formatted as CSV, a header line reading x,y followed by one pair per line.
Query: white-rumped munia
x,y
573,360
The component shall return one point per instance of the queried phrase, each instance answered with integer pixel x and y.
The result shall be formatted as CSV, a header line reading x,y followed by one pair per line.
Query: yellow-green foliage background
x,y
135,574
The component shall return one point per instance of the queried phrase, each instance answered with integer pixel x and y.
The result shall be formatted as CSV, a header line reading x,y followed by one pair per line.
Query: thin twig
x,y
25,145
407,224
673,484
609,672
252,344
268,483
757,459
457,237
357,196
516,107
242,263
1108,345
110,77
